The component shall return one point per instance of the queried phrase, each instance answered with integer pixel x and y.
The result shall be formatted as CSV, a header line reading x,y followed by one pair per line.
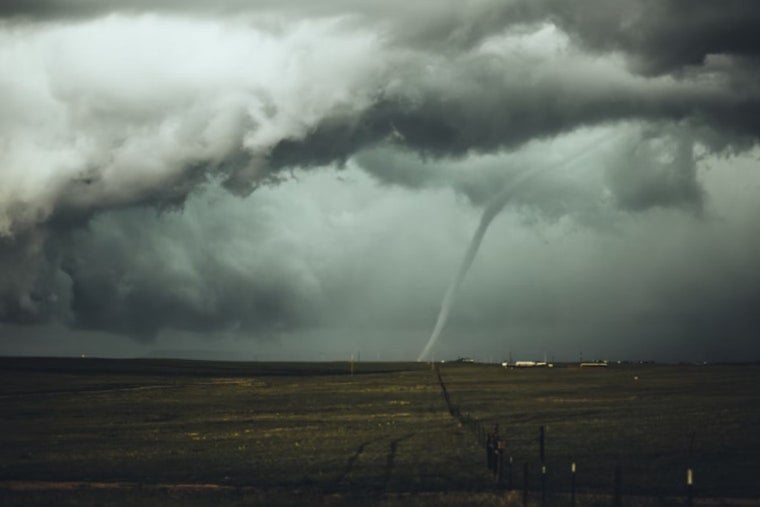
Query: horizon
x,y
336,360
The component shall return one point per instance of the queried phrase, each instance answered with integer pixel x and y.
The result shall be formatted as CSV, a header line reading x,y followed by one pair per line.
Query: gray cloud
x,y
205,115
28,280
118,109
138,273
657,170
334,258
660,37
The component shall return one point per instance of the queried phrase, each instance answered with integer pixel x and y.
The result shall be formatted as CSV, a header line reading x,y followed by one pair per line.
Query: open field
x,y
95,432
644,419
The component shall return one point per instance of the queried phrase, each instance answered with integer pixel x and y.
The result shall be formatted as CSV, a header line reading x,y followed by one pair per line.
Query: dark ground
x,y
163,432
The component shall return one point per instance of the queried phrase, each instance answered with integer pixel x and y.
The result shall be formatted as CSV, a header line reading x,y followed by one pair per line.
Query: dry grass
x,y
184,433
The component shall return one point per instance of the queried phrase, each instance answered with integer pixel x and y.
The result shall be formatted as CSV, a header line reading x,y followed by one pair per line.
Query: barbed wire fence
x,y
556,485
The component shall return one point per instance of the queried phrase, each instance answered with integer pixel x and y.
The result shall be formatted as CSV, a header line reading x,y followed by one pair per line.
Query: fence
x,y
502,464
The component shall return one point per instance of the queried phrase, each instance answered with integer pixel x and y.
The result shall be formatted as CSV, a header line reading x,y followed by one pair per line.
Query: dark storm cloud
x,y
660,36
52,10
476,102
656,170
111,114
137,273
25,279
489,108
421,97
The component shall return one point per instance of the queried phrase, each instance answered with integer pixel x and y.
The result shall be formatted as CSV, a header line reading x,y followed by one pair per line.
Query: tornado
x,y
492,209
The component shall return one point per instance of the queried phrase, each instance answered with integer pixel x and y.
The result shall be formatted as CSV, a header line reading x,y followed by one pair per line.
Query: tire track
x,y
391,459
350,464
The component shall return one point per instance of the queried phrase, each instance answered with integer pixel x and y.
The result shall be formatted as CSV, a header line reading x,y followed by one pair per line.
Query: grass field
x,y
644,419
100,432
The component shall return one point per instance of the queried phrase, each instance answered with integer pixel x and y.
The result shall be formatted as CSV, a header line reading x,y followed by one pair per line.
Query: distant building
x,y
595,364
530,364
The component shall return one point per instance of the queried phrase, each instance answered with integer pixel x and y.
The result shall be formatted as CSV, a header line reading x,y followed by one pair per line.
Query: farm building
x,y
595,364
529,364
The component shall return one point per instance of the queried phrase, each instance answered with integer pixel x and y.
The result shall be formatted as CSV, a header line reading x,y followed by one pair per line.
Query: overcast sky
x,y
252,180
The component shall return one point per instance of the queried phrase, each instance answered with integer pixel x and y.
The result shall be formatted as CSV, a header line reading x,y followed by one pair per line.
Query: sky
x,y
321,180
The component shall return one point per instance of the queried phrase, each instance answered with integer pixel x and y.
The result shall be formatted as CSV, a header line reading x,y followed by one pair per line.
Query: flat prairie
x,y
86,432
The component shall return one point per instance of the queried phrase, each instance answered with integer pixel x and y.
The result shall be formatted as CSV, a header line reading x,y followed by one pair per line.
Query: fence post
x,y
542,456
618,500
572,484
489,451
501,447
541,434
689,471
543,485
495,456
525,484
509,474
689,487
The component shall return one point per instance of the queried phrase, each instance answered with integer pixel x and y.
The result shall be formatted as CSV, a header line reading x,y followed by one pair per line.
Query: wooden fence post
x,y
501,448
689,472
543,485
542,456
689,487
572,484
489,451
541,435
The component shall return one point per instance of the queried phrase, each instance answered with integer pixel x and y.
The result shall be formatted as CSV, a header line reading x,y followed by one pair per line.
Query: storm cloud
x,y
157,160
